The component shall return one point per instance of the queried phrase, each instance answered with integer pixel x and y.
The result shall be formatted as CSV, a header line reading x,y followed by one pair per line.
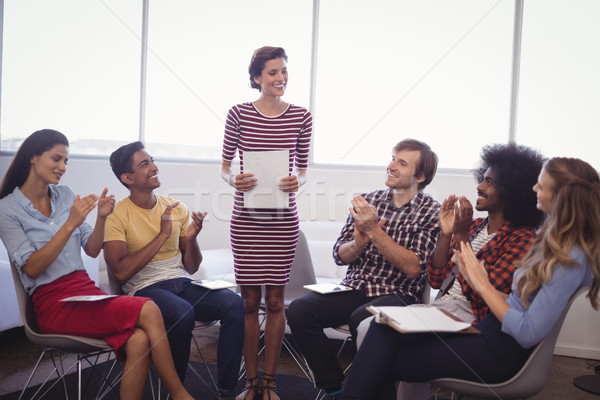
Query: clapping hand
x,y
366,220
472,269
81,208
447,212
106,204
165,220
196,224
463,216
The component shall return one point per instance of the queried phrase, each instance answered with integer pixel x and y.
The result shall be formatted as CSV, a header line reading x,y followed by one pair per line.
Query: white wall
x,y
324,198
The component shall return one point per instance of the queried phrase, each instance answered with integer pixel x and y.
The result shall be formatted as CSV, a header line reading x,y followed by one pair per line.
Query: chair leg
x,y
107,384
299,359
37,364
214,388
59,372
58,369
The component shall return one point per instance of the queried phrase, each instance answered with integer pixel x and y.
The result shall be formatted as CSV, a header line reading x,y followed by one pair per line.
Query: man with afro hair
x,y
506,173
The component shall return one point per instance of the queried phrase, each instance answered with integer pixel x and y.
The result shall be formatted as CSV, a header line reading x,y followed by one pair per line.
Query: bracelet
x,y
232,177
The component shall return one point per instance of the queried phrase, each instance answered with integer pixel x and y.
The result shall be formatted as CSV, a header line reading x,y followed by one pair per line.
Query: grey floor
x,y
18,356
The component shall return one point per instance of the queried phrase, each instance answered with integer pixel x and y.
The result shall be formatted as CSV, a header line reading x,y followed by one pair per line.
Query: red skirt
x,y
112,319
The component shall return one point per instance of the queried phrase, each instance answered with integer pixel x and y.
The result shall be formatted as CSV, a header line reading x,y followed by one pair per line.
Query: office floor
x,y
18,356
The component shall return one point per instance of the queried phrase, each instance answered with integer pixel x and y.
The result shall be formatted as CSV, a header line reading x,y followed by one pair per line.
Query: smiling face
x,y
145,172
274,77
545,191
50,165
401,170
488,198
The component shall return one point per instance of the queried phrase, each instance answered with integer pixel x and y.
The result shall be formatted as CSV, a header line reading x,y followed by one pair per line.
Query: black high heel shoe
x,y
250,387
269,385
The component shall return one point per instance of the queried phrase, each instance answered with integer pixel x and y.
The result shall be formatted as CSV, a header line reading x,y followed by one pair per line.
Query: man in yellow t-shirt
x,y
151,249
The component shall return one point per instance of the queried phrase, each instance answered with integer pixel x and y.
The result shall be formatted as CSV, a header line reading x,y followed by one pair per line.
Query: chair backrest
x,y
113,284
24,301
68,343
302,272
530,379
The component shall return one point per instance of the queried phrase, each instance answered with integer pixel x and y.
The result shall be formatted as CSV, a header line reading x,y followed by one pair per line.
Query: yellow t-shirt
x,y
137,226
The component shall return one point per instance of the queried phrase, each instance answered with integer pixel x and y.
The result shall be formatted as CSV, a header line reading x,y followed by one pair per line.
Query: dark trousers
x,y
181,303
309,315
386,356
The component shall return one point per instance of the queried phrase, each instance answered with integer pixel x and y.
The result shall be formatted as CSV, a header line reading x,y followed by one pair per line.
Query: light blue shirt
x,y
24,230
530,325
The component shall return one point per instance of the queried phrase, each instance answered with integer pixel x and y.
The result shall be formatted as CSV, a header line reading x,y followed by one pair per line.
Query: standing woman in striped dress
x,y
264,240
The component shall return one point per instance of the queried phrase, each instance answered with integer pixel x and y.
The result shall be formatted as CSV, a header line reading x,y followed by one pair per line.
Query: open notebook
x,y
420,318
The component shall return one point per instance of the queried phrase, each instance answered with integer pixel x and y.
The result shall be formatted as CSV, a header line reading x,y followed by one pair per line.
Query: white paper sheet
x,y
218,284
268,168
418,319
89,298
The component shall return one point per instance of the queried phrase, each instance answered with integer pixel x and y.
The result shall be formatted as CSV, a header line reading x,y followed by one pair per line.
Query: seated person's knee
x,y
138,343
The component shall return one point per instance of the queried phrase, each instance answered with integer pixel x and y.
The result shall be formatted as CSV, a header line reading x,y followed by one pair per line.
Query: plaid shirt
x,y
413,226
500,254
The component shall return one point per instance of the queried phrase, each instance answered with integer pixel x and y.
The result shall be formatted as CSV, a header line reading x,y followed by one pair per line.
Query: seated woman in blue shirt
x,y
564,257
42,225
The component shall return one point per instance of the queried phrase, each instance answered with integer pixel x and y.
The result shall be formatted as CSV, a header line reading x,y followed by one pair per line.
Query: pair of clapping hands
x,y
456,215
84,205
194,228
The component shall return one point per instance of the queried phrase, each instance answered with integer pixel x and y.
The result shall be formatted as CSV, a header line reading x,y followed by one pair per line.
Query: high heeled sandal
x,y
269,385
250,388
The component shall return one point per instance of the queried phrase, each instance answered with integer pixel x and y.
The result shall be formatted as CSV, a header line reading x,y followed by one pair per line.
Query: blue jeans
x,y
310,314
181,303
386,356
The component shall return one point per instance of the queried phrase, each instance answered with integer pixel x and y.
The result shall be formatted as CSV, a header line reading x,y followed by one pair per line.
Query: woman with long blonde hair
x,y
564,257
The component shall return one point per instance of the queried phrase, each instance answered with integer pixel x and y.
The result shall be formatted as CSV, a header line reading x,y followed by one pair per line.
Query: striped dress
x,y
264,240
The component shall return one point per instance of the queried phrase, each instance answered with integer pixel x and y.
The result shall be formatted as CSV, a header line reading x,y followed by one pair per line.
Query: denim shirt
x,y
24,230
529,325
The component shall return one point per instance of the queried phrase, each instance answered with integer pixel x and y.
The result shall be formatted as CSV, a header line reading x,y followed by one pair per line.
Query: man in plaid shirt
x,y
506,175
388,238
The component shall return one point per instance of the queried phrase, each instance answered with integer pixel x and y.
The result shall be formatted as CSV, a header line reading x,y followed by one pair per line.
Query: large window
x,y
73,66
438,71
198,66
559,98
